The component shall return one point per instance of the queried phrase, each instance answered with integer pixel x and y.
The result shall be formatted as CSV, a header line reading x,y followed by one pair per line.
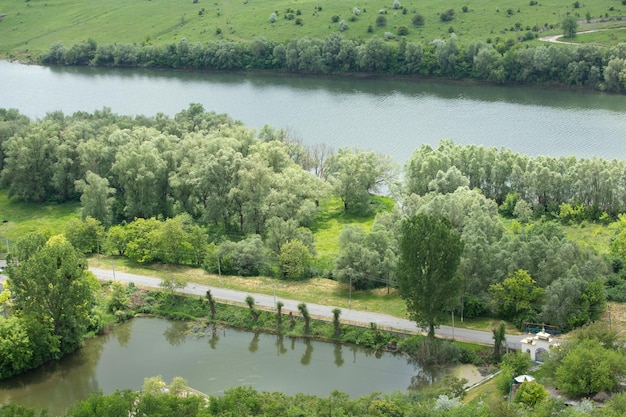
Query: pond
x,y
224,358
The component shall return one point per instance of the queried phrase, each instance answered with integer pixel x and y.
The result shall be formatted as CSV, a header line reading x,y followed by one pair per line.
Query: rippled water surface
x,y
386,115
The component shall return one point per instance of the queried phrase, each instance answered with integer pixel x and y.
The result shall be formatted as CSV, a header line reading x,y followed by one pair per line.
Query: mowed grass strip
x,y
31,27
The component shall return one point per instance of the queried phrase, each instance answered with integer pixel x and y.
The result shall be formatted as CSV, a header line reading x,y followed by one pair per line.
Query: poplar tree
x,y
427,277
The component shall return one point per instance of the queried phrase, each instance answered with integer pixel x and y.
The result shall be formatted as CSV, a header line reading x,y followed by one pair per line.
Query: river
x,y
224,358
390,116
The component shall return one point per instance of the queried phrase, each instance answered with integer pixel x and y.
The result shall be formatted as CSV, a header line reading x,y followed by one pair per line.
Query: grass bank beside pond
x,y
202,318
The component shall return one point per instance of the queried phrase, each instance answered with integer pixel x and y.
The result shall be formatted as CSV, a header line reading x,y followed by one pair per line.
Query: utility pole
x,y
350,289
219,269
452,324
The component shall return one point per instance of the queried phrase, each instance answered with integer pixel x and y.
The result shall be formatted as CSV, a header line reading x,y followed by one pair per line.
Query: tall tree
x,y
569,24
355,174
28,163
55,286
97,198
429,254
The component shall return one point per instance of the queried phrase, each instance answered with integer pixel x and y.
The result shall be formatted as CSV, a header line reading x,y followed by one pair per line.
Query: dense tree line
x,y
565,188
158,399
200,189
503,62
559,281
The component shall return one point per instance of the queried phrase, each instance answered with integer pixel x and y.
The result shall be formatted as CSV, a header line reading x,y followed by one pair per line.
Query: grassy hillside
x,y
31,26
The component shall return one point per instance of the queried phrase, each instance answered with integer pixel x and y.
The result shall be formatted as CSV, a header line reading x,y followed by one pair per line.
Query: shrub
x,y
617,293
444,403
335,19
504,380
343,25
273,18
519,362
530,393
417,20
356,11
396,4
465,9
403,31
447,16
381,21
298,22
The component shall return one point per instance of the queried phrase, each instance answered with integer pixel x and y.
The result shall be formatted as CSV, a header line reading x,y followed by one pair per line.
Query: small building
x,y
539,344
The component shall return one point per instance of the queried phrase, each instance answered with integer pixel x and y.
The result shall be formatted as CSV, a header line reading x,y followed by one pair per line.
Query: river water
x,y
224,358
391,116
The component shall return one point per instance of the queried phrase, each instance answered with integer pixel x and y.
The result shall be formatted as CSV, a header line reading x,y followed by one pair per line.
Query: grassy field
x,y
331,222
30,27
602,37
24,218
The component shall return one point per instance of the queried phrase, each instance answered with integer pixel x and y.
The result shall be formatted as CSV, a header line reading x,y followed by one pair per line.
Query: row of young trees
x,y
505,62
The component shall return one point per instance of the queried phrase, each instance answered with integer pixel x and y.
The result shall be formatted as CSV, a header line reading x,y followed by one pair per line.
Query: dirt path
x,y
555,38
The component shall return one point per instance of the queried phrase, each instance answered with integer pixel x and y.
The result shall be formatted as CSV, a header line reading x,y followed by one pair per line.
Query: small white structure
x,y
537,345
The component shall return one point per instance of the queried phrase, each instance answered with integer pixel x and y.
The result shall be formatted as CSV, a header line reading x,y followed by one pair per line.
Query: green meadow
x,y
30,27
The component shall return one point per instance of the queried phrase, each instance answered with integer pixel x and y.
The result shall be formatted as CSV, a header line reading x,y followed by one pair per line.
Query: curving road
x,y
316,310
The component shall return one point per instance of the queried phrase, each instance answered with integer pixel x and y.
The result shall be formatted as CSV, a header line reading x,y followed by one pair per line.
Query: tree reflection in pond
x,y
176,334
280,346
123,333
214,337
337,352
306,357
254,343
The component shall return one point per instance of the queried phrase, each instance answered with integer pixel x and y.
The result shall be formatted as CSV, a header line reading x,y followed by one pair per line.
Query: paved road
x,y
316,310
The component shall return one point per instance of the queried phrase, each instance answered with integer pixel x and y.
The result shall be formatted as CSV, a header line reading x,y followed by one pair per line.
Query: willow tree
x,y
430,252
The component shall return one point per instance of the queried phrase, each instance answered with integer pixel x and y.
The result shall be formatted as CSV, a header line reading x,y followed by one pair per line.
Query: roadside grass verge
x,y
480,323
315,290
